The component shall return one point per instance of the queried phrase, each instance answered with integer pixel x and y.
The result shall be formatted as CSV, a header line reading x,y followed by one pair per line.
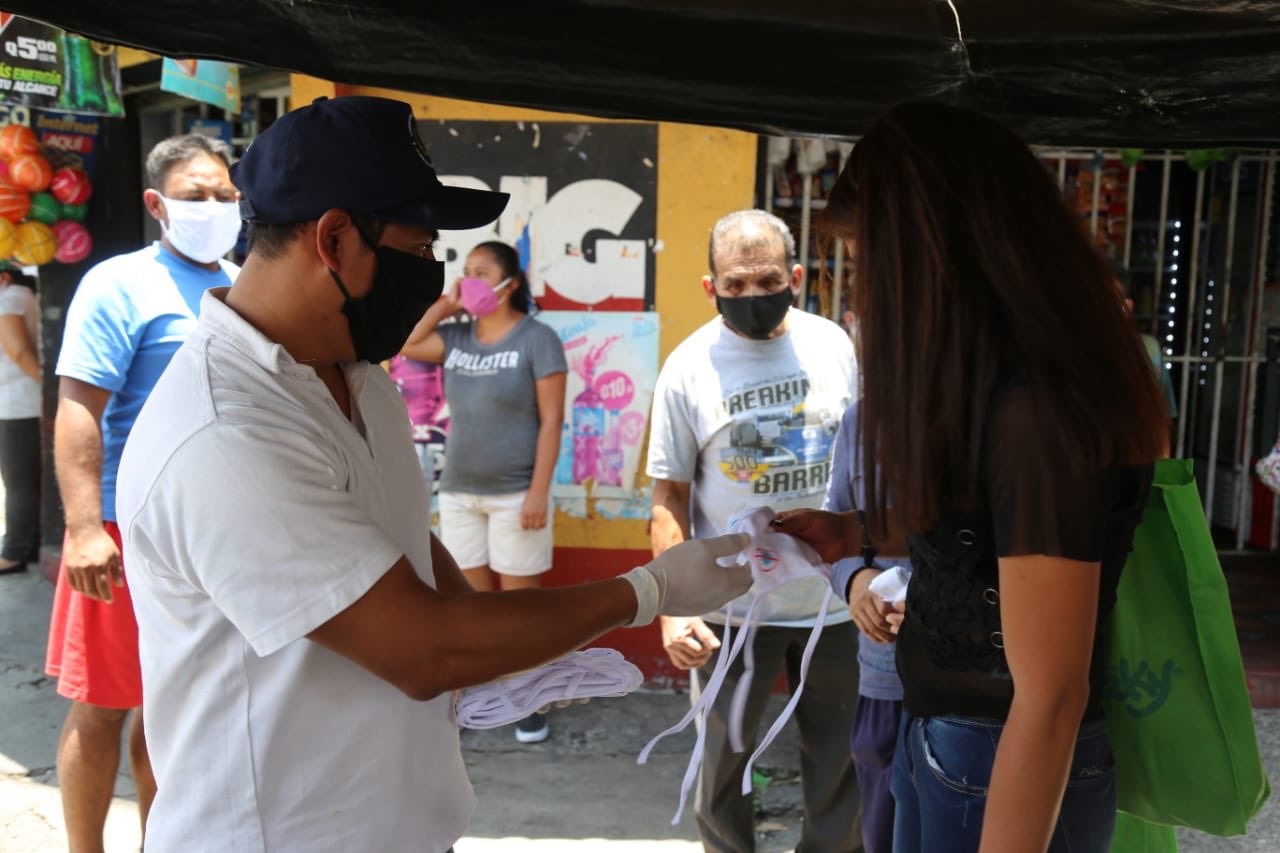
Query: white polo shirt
x,y
252,512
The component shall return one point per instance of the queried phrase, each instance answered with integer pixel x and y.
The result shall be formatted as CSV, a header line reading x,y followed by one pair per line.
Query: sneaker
x,y
532,729
1268,470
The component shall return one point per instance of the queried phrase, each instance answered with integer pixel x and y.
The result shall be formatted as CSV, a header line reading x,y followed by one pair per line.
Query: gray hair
x,y
177,150
740,220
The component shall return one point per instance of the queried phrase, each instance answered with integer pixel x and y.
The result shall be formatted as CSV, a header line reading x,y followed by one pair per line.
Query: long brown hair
x,y
970,272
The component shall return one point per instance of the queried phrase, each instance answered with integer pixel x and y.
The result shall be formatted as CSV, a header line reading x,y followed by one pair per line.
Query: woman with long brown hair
x,y
1013,418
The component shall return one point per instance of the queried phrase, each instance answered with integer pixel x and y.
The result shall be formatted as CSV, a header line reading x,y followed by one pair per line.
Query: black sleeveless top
x,y
950,648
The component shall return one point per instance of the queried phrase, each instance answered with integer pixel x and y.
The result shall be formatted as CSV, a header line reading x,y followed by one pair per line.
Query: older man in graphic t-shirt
x,y
745,414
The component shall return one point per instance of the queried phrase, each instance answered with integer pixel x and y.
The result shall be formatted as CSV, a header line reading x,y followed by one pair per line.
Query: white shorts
x,y
484,530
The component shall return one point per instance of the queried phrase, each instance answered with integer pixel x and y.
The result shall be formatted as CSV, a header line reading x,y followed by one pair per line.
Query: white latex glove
x,y
686,581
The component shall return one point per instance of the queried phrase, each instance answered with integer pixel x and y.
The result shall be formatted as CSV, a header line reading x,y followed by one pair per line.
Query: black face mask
x,y
404,287
755,316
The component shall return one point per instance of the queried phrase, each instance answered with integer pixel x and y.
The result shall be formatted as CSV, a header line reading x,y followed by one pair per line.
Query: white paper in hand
x,y
891,584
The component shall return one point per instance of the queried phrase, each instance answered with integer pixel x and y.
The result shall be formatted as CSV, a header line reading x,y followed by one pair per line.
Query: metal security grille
x,y
1197,235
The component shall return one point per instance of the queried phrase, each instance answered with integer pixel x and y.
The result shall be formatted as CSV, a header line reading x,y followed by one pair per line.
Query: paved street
x,y
568,794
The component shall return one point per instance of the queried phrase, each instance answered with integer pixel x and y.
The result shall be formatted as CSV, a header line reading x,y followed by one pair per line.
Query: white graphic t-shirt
x,y
753,423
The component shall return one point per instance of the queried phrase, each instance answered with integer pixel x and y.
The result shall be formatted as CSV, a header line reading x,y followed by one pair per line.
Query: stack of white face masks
x,y
776,559
588,674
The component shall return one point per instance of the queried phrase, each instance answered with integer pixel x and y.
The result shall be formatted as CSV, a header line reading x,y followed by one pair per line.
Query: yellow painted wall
x,y
128,57
703,173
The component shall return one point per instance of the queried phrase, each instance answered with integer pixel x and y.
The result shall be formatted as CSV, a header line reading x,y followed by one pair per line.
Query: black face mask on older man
x,y
755,316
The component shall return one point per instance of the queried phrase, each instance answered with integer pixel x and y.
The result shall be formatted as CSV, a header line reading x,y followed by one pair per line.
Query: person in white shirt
x,y
20,407
745,414
301,631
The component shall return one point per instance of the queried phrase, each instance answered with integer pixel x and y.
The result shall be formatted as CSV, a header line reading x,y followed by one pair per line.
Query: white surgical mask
x,y
202,230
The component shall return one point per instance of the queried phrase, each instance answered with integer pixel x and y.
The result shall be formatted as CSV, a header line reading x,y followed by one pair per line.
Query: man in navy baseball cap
x,y
301,631
361,154
341,196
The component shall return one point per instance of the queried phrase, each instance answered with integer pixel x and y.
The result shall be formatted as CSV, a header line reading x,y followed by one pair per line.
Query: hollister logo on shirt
x,y
475,365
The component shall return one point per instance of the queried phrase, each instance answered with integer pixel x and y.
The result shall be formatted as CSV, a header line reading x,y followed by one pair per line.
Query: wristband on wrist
x,y
849,586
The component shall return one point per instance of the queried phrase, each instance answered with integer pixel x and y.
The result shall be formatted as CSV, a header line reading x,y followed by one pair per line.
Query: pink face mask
x,y
478,297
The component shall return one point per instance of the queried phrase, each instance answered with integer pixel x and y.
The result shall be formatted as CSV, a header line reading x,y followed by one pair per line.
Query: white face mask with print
x,y
202,230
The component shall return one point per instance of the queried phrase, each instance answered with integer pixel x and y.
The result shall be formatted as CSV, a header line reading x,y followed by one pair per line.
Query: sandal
x,y
12,567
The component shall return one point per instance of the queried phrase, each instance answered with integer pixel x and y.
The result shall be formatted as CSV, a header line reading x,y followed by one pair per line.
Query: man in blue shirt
x,y
128,317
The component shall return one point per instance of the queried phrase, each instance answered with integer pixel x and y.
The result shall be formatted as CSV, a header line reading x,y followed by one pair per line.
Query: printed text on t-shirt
x,y
780,438
471,363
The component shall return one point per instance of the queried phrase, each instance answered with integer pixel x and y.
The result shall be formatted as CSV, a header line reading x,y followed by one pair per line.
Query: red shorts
x,y
93,645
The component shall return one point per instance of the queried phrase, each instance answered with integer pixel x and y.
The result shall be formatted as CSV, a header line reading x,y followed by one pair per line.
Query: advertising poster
x,y
583,210
613,367
46,68
422,386
69,139
205,80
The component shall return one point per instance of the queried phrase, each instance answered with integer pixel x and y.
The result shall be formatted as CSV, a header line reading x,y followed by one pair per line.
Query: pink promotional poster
x,y
613,367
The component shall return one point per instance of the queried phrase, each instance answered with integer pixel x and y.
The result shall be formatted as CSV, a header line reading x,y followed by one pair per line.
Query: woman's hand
x,y
894,614
450,302
424,342
827,532
533,513
868,609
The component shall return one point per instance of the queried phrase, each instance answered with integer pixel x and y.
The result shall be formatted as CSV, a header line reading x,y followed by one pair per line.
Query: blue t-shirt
x,y
127,318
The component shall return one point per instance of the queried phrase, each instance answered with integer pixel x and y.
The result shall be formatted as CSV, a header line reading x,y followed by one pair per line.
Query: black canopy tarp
x,y
1179,73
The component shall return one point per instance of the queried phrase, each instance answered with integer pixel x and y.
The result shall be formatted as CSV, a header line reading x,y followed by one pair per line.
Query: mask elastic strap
x,y
371,243
338,281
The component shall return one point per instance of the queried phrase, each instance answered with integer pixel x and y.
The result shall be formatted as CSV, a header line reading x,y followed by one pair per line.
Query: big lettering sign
x,y
583,205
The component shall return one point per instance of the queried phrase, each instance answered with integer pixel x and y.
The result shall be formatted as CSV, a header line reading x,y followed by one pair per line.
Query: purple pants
x,y
872,744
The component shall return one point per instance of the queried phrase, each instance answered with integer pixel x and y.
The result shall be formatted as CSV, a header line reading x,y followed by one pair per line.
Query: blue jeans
x,y
942,770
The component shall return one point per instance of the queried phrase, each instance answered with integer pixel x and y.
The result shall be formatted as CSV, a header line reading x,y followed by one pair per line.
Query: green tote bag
x,y
1135,835
1178,709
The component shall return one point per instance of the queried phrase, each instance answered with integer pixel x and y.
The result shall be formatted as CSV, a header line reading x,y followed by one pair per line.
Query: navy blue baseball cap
x,y
360,154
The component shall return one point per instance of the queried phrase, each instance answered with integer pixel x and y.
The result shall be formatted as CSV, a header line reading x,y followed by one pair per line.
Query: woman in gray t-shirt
x,y
504,379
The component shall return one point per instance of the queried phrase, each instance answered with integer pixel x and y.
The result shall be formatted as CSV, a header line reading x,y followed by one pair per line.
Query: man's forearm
x,y
669,526
77,455
449,578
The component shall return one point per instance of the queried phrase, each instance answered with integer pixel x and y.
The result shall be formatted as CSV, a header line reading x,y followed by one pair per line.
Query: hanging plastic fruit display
x,y
16,140
35,244
43,201
32,172
74,243
71,185
8,238
74,212
44,208
14,203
